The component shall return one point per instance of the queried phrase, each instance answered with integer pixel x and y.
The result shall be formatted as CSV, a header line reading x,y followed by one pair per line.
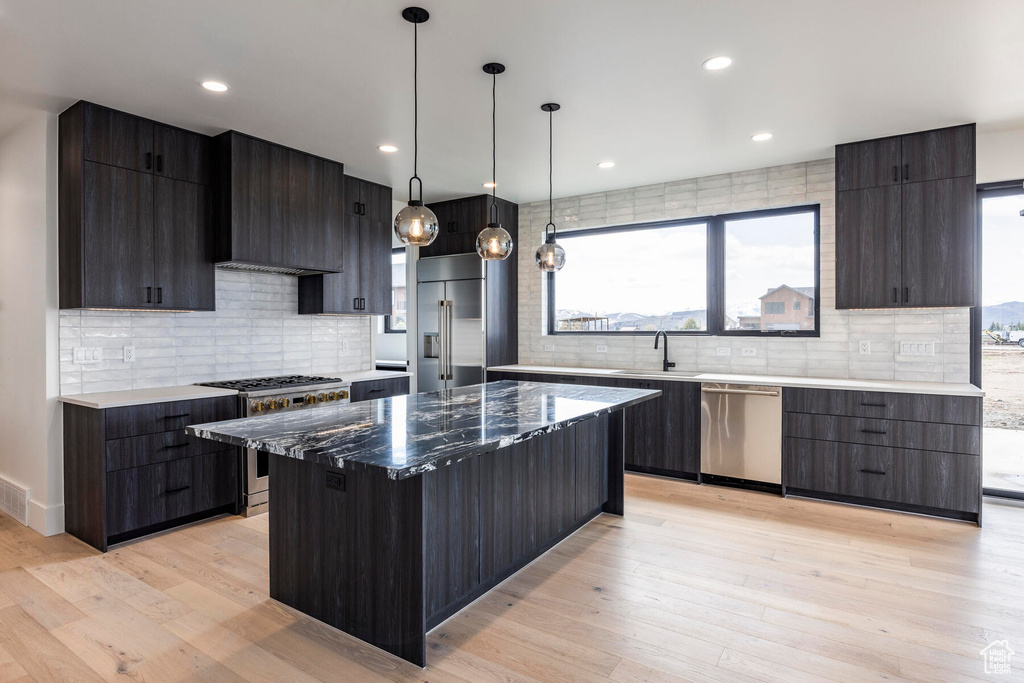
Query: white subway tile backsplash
x,y
834,354
255,330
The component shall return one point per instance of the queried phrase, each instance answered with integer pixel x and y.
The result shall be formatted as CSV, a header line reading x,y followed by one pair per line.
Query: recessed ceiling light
x,y
761,137
490,186
606,164
716,63
215,86
387,149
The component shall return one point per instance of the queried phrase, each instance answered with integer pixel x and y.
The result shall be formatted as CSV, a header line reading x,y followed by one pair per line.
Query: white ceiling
x,y
335,78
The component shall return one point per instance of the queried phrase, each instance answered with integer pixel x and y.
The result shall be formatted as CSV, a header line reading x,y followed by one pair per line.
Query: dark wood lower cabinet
x,y
378,388
132,471
387,560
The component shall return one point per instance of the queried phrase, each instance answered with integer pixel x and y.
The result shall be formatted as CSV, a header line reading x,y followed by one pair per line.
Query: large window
x,y
396,322
754,273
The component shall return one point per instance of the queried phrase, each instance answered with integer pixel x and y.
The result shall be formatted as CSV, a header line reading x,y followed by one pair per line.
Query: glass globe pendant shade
x,y
550,256
416,225
494,243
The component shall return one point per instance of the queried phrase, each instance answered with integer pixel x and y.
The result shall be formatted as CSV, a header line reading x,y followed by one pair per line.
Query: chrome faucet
x,y
665,365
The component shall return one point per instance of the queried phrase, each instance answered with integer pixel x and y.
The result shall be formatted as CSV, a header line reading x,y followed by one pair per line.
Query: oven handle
x,y
747,392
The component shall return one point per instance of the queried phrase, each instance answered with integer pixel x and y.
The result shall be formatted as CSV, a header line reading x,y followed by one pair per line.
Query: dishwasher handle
x,y
747,392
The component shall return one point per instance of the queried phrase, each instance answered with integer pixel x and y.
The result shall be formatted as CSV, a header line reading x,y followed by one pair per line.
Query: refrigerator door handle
x,y
448,338
442,354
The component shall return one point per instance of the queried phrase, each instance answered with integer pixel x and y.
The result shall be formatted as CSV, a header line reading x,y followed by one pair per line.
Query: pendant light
x,y
494,243
415,225
550,255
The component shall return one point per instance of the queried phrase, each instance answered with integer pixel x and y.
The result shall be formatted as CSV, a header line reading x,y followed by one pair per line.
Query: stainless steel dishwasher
x,y
741,435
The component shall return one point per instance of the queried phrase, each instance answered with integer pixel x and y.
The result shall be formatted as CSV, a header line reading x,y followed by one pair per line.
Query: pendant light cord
x,y
415,111
551,172
494,148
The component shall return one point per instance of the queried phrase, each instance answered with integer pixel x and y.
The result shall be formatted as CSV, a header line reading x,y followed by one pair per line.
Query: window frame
x,y
715,274
387,318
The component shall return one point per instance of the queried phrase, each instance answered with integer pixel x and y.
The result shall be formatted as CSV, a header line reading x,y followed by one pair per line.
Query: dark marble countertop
x,y
404,436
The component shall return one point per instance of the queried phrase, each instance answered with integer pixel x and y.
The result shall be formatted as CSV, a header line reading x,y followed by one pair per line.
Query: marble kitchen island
x,y
389,516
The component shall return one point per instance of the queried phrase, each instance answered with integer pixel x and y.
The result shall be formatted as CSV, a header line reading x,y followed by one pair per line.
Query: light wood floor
x,y
695,583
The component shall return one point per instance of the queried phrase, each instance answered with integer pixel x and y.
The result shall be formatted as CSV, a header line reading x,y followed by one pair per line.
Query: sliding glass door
x,y
1001,318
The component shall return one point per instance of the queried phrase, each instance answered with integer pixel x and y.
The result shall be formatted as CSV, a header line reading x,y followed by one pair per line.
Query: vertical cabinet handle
x,y
149,160
159,295
355,209
159,163
895,174
906,171
363,209
362,304
906,295
149,295
895,295
355,304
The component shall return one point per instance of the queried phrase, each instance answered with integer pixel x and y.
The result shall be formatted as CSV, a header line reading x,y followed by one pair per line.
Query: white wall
x,y
834,354
30,422
1001,156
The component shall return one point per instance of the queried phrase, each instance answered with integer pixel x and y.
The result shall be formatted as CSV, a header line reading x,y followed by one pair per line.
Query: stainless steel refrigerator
x,y
451,300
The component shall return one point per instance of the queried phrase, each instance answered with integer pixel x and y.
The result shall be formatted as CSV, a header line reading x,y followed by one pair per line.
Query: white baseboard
x,y
48,521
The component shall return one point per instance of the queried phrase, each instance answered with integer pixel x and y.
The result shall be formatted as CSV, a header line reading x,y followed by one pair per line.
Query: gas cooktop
x,y
270,383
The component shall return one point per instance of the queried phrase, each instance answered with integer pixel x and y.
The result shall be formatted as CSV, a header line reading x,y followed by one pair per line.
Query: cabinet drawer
x,y
148,449
215,480
143,496
379,388
928,436
163,417
964,410
943,481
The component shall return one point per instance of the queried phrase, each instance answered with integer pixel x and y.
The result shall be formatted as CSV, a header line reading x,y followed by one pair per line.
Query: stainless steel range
x,y
264,395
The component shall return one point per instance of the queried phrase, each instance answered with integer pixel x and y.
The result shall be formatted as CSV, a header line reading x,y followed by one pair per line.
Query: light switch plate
x,y
749,351
86,355
724,351
549,348
865,347
601,348
917,348
129,354
344,344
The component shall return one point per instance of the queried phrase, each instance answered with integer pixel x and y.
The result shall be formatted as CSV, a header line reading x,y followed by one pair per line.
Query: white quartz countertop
x,y
938,388
138,397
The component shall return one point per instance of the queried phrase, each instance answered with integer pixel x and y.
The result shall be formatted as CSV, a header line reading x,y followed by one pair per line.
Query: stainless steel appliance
x,y
741,434
451,302
263,395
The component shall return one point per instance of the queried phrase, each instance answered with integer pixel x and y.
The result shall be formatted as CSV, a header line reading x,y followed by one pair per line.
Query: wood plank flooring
x,y
694,584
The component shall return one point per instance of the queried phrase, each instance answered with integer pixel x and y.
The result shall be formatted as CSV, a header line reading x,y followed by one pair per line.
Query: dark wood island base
x,y
387,560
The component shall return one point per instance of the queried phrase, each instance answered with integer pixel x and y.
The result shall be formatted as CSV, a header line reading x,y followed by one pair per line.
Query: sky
x,y
657,271
1002,252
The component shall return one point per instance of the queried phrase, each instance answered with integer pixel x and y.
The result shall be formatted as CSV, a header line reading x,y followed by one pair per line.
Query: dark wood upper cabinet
x,y
363,287
134,214
183,254
868,275
912,241
872,163
181,154
939,242
115,138
276,207
939,154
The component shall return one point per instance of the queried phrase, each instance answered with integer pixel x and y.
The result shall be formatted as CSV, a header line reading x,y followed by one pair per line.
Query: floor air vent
x,y
14,500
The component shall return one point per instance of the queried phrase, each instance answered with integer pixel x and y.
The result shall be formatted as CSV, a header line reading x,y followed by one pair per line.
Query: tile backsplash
x,y
836,353
255,331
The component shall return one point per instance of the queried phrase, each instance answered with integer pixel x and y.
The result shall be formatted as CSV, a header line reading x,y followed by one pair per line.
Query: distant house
x,y
788,308
750,322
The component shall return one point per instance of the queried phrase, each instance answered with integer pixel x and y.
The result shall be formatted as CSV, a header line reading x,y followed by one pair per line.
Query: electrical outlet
x,y
549,348
335,480
749,351
865,347
724,351
129,354
344,344
85,355
601,348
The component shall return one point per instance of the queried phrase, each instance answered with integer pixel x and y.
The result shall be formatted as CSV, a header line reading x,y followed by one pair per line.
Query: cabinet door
x,y
117,139
936,154
302,240
181,155
375,256
868,242
334,213
215,480
117,232
259,195
184,269
939,243
872,163
143,496
446,222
